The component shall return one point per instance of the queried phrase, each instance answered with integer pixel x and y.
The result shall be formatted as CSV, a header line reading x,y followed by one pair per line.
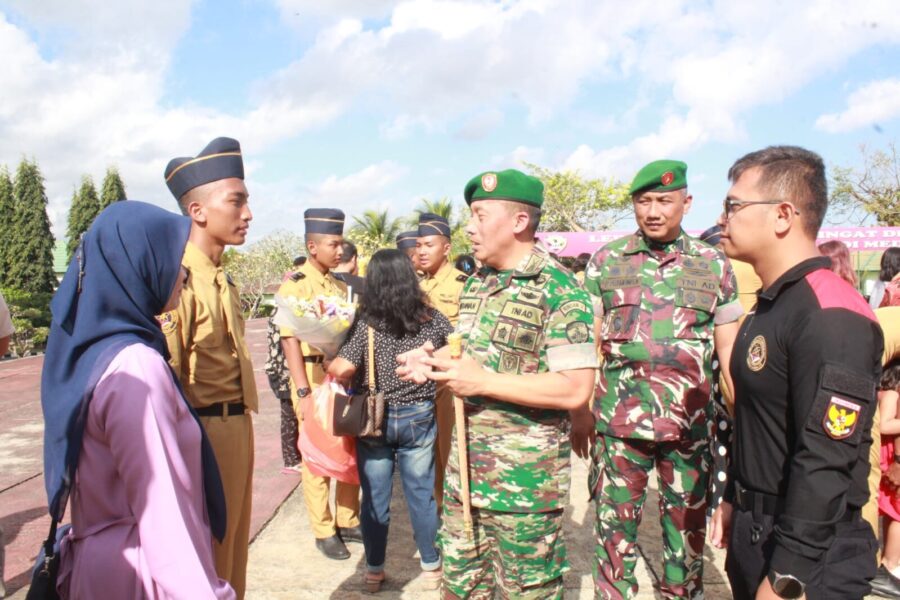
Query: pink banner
x,y
856,238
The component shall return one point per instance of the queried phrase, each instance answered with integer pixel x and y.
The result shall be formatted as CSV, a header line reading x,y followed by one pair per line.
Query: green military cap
x,y
505,185
660,176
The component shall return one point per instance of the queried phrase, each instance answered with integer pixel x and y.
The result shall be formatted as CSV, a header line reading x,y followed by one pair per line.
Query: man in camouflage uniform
x,y
664,298
528,358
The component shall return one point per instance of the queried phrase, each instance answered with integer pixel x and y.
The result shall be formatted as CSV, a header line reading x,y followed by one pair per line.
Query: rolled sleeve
x,y
729,313
728,305
569,340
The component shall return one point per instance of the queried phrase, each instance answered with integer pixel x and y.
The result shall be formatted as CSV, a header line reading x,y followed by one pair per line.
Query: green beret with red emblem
x,y
660,176
510,184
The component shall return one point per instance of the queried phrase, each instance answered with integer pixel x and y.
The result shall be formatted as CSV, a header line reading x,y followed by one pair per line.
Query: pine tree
x,y
113,188
7,214
31,264
85,208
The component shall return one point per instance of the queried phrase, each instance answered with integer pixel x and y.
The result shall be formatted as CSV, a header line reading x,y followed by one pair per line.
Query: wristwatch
x,y
786,586
303,392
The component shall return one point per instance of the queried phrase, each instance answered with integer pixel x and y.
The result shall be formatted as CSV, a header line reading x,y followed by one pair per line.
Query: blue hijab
x,y
121,276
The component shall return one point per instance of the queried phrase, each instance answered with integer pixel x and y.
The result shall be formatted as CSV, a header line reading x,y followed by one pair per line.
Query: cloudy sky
x,y
377,104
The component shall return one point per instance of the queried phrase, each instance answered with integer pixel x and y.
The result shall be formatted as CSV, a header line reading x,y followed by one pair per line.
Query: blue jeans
x,y
409,437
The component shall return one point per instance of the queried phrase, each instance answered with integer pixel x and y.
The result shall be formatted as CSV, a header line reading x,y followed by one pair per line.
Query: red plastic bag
x,y
326,454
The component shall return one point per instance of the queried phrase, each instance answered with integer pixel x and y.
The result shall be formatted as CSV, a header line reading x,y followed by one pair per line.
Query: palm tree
x,y
374,230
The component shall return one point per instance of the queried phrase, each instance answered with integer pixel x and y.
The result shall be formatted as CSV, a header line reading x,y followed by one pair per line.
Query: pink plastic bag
x,y
326,454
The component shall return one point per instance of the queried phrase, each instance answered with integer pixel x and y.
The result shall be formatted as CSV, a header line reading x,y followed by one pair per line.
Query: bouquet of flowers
x,y
322,322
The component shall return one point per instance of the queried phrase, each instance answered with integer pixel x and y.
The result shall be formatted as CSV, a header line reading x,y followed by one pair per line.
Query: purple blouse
x,y
139,524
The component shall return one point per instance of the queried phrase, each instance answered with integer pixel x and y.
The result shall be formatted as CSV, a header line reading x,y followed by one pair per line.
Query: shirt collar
x,y
639,243
198,263
314,274
795,273
442,273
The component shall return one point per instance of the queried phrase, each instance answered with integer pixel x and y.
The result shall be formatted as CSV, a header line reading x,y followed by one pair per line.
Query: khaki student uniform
x,y
205,335
309,284
443,290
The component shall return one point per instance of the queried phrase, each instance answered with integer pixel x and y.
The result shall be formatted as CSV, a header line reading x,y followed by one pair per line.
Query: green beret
x,y
660,176
505,185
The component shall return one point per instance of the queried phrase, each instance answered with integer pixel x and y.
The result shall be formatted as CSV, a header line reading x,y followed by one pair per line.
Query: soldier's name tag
x,y
524,313
469,305
622,273
700,283
616,283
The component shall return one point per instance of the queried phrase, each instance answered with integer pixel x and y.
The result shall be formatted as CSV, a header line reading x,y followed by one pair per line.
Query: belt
x,y
316,359
220,409
760,503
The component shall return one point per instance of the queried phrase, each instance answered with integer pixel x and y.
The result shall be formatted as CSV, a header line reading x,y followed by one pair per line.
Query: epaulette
x,y
462,277
297,276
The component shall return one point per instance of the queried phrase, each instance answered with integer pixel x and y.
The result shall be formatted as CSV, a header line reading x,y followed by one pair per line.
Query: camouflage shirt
x,y
532,319
660,304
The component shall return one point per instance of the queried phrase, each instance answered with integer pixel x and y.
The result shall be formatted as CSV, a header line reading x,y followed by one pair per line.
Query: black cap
x,y
221,159
432,224
329,221
407,240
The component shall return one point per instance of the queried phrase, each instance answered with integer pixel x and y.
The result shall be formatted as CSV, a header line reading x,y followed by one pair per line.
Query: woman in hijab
x,y
145,490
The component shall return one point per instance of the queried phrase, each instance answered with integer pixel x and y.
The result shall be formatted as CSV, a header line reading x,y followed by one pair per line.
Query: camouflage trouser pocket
x,y
534,553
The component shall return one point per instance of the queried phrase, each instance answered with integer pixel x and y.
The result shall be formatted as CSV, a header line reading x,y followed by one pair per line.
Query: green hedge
x,y
30,314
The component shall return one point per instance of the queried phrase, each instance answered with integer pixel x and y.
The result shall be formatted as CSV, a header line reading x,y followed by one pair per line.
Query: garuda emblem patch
x,y
841,417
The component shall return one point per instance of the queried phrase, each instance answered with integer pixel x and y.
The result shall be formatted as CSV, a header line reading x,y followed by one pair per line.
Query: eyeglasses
x,y
731,206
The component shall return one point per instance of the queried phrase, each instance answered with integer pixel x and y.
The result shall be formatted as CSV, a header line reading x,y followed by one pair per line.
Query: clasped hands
x,y
462,376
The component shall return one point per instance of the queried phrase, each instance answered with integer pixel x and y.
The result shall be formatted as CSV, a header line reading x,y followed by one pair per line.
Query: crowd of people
x,y
743,367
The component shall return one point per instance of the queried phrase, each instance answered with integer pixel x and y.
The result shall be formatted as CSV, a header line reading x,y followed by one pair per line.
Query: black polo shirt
x,y
805,365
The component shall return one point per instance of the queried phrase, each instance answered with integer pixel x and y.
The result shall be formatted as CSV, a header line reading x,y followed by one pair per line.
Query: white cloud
x,y
335,8
456,67
280,205
874,103
516,158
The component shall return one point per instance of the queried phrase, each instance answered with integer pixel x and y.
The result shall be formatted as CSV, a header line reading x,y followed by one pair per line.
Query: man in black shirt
x,y
805,368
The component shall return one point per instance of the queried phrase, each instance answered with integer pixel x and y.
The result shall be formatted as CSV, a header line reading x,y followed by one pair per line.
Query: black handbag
x,y
361,415
46,568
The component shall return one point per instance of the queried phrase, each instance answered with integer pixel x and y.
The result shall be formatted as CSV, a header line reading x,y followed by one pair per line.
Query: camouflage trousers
x,y
516,555
621,488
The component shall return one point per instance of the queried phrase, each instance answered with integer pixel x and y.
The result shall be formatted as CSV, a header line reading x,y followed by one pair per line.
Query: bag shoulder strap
x,y
371,333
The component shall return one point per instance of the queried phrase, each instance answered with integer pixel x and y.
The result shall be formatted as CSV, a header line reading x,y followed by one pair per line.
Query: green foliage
x,y
113,188
262,266
575,203
85,208
31,264
872,190
30,314
373,231
7,215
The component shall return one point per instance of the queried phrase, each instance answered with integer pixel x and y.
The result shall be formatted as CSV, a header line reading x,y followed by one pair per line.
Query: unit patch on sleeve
x,y
841,417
